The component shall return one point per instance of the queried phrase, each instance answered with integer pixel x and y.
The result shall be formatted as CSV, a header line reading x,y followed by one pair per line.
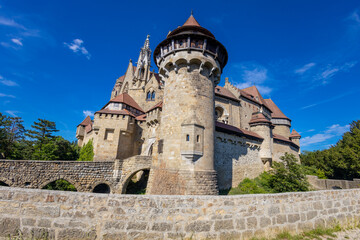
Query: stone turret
x,y
190,60
295,138
263,126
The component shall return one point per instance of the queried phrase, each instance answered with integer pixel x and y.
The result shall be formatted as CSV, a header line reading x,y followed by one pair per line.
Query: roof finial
x,y
192,12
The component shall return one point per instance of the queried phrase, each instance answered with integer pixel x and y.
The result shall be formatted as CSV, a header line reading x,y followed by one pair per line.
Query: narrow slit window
x,y
187,137
198,138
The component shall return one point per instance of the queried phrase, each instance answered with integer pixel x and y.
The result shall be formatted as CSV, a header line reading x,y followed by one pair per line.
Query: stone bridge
x,y
105,177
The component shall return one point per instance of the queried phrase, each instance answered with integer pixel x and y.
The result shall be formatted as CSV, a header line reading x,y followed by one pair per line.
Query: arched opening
x,y
153,96
102,188
137,182
60,185
219,111
148,96
4,184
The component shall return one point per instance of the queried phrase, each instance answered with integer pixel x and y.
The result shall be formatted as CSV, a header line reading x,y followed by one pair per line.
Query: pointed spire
x,y
145,53
191,21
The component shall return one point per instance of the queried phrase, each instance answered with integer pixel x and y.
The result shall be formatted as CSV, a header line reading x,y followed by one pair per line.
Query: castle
x,y
201,137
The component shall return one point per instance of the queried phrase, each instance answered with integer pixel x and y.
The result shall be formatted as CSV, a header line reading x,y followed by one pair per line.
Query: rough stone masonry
x,y
68,215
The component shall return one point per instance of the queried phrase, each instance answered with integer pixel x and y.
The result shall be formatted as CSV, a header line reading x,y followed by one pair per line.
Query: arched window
x,y
153,96
148,96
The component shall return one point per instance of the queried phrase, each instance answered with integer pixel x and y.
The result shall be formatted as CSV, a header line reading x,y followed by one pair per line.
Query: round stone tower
x,y
190,61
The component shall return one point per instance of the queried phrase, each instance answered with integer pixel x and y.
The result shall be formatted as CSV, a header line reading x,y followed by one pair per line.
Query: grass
x,y
318,233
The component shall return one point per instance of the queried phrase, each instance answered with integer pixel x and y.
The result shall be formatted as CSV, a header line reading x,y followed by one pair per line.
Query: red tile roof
x,y
86,121
191,21
220,91
158,105
127,99
120,79
88,128
117,112
141,117
222,127
284,139
254,93
294,133
259,118
276,112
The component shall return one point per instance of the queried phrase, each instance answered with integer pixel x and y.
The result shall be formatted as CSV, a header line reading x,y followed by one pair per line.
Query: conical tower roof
x,y
191,22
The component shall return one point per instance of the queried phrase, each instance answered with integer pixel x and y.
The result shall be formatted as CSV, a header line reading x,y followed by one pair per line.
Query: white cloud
x,y
17,41
329,99
355,17
88,113
77,47
332,131
253,74
305,68
330,71
12,113
8,83
6,95
10,23
337,129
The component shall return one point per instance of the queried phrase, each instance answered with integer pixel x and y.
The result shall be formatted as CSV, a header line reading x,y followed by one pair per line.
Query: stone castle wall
x,y
236,158
67,215
279,150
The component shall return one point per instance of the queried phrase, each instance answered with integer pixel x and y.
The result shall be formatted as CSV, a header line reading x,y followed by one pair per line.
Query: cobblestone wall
x,y
68,215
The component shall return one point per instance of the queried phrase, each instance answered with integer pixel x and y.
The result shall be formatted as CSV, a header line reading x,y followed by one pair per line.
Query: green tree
x,y
288,175
341,161
11,133
41,132
87,152
57,148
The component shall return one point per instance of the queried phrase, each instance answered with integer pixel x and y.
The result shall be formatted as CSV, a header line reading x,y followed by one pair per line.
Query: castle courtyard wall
x,y
280,148
236,158
67,215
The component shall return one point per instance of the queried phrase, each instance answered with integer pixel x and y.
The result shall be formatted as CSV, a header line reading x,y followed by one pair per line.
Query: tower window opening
x,y
181,43
196,43
148,96
198,138
187,137
153,96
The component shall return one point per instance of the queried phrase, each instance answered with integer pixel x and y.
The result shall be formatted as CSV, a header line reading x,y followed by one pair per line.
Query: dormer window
x,y
148,96
153,96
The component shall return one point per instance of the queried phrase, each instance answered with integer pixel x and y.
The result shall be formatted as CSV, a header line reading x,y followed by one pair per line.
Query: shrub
x,y
87,152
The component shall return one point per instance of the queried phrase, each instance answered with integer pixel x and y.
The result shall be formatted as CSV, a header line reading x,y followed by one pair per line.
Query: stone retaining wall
x,y
68,215
320,184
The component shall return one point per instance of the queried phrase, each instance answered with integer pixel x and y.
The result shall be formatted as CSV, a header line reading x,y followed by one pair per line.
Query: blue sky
x,y
60,59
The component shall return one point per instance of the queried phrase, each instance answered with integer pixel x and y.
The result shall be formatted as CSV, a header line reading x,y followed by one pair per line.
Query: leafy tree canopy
x,y
341,161
87,152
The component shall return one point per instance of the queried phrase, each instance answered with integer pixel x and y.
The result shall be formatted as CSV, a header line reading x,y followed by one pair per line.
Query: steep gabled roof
x,y
158,105
86,121
127,99
254,93
222,127
276,112
120,79
294,134
220,91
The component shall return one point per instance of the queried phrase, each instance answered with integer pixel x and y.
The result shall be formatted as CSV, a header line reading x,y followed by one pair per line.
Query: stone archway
x,y
136,182
53,180
102,188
